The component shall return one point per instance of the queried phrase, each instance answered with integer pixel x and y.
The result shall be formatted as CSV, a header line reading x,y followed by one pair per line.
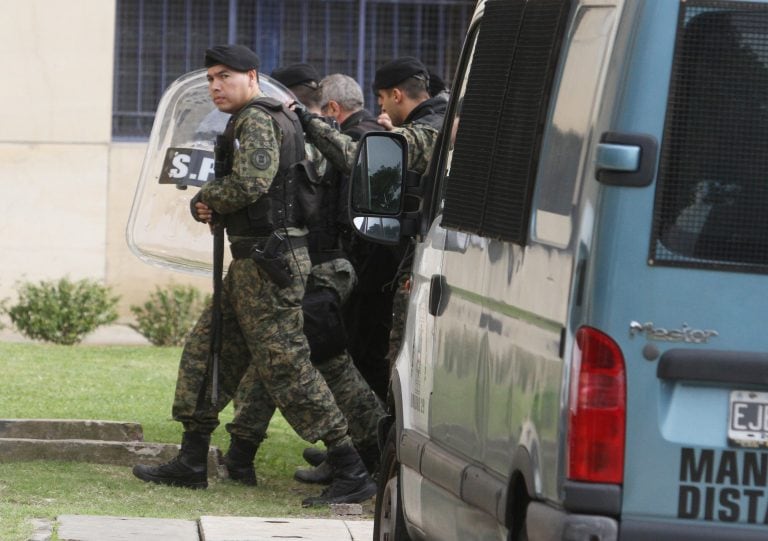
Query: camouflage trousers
x,y
357,401
264,362
337,274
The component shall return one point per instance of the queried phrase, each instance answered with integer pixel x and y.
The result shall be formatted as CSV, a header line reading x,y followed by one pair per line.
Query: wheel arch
x,y
520,491
394,411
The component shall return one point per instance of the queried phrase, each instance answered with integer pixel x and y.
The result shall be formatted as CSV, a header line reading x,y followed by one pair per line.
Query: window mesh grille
x,y
504,110
156,41
466,188
712,189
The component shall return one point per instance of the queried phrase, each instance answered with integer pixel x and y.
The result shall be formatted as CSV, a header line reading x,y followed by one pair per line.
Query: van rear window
x,y
711,208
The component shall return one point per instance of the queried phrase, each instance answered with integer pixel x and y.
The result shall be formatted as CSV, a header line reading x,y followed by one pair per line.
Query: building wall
x,y
66,188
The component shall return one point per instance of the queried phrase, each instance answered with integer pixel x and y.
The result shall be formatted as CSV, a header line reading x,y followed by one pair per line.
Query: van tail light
x,y
597,409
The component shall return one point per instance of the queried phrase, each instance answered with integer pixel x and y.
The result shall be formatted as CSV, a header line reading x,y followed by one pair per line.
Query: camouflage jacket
x,y
340,149
255,163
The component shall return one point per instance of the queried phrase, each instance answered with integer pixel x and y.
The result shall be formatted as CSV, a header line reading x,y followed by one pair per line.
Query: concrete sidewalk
x,y
102,528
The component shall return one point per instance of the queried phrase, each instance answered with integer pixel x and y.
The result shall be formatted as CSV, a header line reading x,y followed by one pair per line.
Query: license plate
x,y
748,419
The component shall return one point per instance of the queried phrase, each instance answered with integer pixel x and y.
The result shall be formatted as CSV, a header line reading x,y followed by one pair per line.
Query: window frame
x,y
439,167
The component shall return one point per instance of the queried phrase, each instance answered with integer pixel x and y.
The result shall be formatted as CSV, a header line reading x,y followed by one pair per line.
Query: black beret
x,y
436,84
237,57
391,73
295,74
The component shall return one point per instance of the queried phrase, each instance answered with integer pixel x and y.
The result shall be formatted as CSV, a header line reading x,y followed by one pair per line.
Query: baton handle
x,y
216,319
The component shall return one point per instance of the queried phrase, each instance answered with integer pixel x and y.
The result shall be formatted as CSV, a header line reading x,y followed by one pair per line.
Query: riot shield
x,y
179,159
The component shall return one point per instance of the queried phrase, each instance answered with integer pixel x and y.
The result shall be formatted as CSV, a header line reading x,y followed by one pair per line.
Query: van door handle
x,y
622,158
438,294
714,366
626,159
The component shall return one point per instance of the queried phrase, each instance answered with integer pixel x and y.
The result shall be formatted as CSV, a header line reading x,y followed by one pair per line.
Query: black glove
x,y
305,117
331,122
198,198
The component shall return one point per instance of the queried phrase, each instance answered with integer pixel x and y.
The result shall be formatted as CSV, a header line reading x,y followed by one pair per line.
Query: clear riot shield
x,y
179,159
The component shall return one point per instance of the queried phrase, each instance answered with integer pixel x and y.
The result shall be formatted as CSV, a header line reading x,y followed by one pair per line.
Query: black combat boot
x,y
322,474
188,469
239,461
314,456
351,482
371,456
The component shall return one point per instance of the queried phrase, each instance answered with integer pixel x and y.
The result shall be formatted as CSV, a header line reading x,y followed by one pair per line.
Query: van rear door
x,y
680,273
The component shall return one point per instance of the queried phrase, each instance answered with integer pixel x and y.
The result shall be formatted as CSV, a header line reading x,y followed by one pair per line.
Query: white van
x,y
585,355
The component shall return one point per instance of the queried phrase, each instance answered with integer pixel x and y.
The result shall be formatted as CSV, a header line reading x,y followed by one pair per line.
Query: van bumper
x,y
547,523
640,530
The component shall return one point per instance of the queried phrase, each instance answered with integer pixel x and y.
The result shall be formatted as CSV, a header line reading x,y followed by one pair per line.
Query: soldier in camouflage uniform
x,y
401,89
265,357
407,108
304,81
332,276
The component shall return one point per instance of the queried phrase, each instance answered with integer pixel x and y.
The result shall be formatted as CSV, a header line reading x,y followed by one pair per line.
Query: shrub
x,y
62,312
3,310
169,314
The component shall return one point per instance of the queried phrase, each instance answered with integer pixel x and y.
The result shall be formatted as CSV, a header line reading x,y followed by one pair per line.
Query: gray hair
x,y
344,90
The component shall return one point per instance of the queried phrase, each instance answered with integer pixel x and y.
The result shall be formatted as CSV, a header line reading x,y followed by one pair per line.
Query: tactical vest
x,y
323,236
279,207
324,241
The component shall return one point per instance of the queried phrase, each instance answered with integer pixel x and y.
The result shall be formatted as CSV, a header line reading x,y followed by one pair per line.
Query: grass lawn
x,y
124,384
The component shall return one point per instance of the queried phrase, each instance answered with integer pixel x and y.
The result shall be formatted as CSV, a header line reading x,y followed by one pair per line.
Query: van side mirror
x,y
376,186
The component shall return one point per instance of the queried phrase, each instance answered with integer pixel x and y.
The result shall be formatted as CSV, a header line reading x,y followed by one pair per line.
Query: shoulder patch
x,y
260,158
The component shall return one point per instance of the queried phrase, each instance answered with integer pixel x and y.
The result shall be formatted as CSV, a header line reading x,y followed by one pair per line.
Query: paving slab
x,y
346,509
99,452
96,528
63,429
269,529
43,530
360,530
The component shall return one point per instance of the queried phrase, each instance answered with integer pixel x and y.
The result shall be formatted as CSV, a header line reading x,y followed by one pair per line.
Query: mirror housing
x,y
378,188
